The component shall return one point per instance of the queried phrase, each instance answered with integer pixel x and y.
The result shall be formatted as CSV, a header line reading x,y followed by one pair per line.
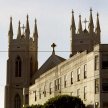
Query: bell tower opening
x,y
18,67
17,101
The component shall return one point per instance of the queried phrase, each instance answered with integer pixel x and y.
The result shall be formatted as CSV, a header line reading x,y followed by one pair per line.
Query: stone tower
x,y
22,63
84,39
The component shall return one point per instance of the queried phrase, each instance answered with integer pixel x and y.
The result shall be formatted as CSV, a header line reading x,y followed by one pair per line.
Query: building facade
x,y
83,75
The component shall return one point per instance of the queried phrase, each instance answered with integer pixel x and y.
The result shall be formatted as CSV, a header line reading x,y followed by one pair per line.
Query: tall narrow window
x,y
85,71
65,81
85,93
31,67
40,93
78,74
44,91
26,99
96,85
18,67
50,88
35,95
96,62
17,101
71,77
57,84
78,93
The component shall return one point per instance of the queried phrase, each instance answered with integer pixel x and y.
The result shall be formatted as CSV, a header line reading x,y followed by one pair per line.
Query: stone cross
x,y
85,21
23,27
53,46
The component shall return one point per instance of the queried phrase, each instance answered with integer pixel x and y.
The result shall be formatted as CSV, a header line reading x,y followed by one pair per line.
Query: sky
x,y
53,22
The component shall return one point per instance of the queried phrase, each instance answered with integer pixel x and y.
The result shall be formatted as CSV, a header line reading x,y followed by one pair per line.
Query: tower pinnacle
x,y
27,30
80,25
91,25
19,31
10,28
97,30
73,27
10,33
35,34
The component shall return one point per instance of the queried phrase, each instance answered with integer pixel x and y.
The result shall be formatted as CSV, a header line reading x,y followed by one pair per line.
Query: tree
x,y
64,101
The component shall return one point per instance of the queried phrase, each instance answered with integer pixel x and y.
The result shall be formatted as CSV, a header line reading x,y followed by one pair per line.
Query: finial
x,y
91,10
10,18
53,46
19,22
97,14
27,16
35,21
72,11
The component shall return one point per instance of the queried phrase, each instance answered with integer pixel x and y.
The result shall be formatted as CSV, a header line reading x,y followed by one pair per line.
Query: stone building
x,y
83,75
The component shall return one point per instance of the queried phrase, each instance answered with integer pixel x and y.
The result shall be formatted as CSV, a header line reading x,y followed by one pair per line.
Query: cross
x,y
85,21
53,46
23,27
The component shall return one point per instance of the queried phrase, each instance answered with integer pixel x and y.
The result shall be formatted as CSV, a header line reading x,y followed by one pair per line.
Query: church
x,y
84,74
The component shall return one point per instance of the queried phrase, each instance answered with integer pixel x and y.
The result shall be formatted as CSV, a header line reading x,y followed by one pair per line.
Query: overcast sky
x,y
53,21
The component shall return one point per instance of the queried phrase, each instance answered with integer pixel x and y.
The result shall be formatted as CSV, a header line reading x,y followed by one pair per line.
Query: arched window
x,y
18,67
31,67
17,101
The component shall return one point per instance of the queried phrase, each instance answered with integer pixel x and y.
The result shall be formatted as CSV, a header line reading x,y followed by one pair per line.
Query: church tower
x,y
84,39
22,63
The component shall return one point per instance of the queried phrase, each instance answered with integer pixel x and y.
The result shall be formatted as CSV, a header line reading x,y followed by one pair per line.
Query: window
x,y
65,81
96,85
85,71
78,93
96,62
31,67
50,88
44,91
40,93
78,74
17,101
57,84
71,77
26,99
105,62
35,95
85,93
105,84
18,67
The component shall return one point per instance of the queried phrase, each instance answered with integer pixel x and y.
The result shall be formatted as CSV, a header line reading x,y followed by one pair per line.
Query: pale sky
x,y
53,21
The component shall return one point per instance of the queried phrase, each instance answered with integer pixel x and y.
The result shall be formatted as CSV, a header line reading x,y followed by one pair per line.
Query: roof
x,y
51,62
